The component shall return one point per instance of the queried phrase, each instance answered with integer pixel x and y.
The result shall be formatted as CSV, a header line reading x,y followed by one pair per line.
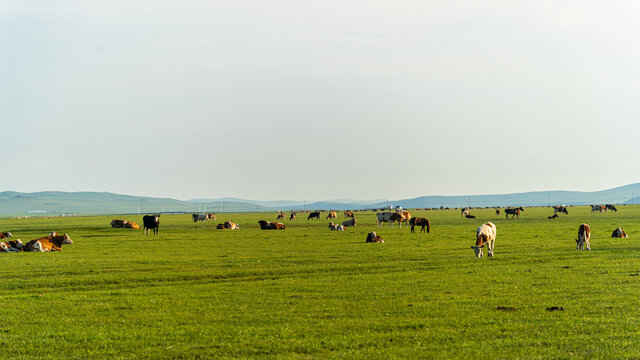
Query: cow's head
x,y
67,239
478,250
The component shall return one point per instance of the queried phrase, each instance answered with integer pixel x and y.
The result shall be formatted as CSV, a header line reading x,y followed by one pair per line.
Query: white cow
x,y
485,234
383,217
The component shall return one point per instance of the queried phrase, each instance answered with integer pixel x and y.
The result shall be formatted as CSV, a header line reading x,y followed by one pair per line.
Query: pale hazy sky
x,y
319,99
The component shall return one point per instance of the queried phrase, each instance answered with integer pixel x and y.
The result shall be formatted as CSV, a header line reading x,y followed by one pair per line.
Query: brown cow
x,y
348,214
131,225
5,235
48,243
420,222
584,235
268,225
332,215
280,215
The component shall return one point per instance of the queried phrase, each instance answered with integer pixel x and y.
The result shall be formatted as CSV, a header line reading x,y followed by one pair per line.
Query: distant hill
x,y
87,203
58,202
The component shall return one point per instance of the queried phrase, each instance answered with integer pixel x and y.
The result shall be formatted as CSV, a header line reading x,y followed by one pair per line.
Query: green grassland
x,y
307,292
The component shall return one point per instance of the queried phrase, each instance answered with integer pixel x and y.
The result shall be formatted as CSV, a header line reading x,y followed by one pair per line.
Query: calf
x,y
485,234
151,222
48,243
554,216
350,222
584,235
469,216
619,233
420,222
373,238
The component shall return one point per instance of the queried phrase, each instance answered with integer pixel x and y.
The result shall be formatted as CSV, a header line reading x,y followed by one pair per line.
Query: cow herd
x,y
51,242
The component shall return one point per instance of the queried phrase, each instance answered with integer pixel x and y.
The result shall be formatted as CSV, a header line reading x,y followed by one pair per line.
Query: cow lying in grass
x,y
228,225
333,226
554,216
485,234
350,222
11,246
268,225
5,235
373,238
115,223
53,242
619,233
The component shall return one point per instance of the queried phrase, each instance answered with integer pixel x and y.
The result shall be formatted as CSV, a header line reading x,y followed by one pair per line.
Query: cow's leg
x,y
490,245
588,245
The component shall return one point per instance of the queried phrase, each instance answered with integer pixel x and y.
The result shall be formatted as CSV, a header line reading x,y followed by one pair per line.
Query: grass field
x,y
307,292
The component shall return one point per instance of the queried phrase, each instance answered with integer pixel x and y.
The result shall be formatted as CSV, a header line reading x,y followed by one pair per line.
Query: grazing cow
x,y
332,215
584,235
611,207
280,215
485,234
268,225
350,222
619,233
314,215
383,217
211,216
398,216
560,209
470,216
497,212
151,222
11,246
464,212
348,214
406,216
48,243
201,217
554,216
333,226
292,217
514,212
420,222
373,238
597,208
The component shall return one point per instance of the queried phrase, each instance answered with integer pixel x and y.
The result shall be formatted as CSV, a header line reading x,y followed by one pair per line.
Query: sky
x,y
271,100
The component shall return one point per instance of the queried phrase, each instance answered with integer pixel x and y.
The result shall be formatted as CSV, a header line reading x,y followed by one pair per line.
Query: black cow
x,y
151,222
513,212
611,207
314,215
